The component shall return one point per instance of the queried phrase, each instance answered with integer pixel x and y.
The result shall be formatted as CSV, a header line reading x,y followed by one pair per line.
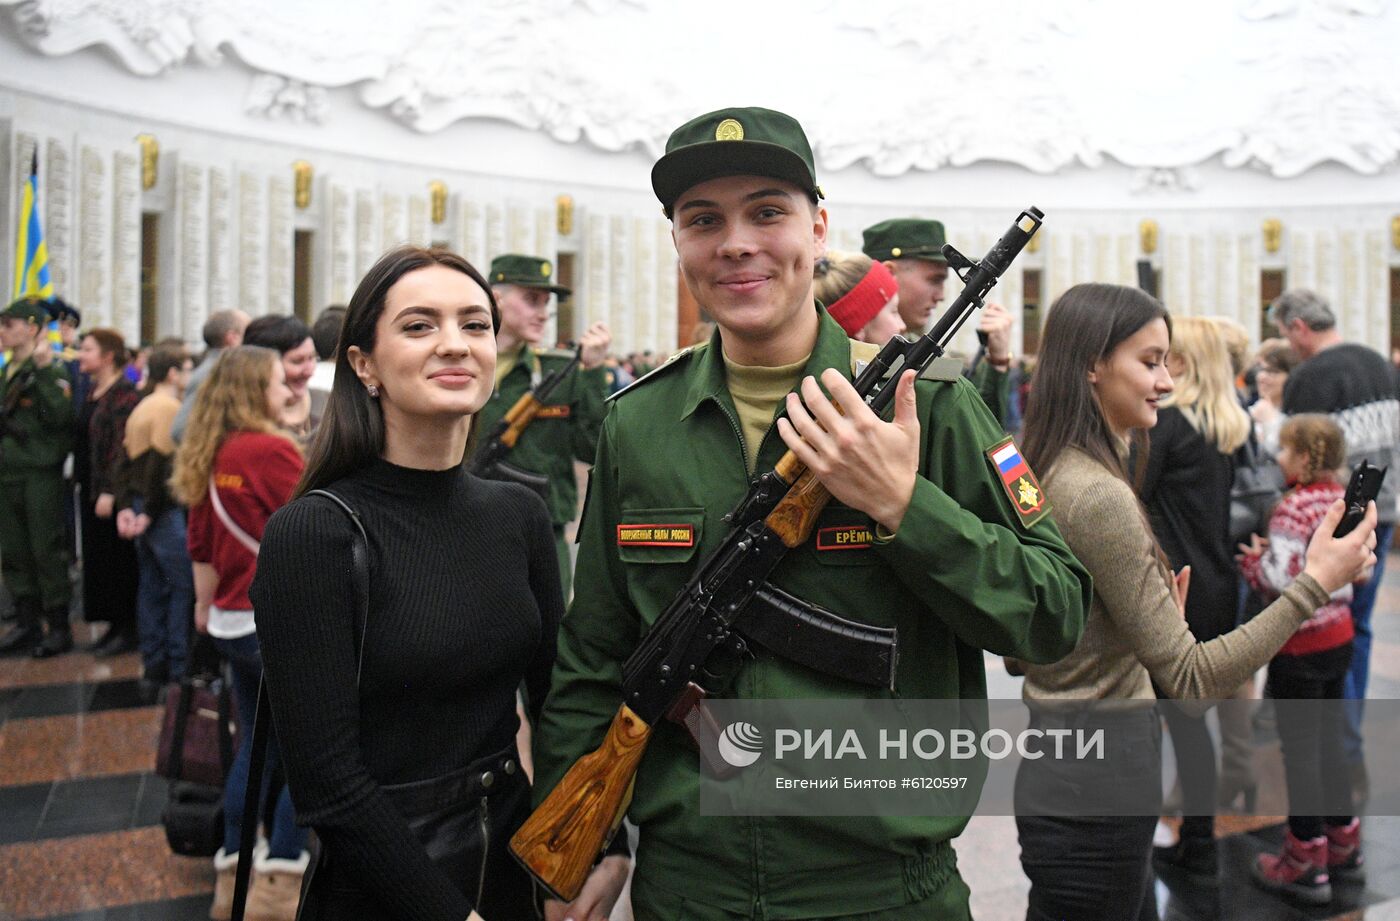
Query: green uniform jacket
x,y
566,428
39,433
961,576
995,388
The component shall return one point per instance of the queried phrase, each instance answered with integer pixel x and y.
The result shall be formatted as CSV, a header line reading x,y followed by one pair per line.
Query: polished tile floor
x,y
80,834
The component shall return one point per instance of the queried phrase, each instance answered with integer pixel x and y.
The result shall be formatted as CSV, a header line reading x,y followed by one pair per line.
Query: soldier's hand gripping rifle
x,y
700,640
490,459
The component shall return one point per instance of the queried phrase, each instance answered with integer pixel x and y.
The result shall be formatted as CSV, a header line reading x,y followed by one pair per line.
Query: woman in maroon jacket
x,y
235,467
109,562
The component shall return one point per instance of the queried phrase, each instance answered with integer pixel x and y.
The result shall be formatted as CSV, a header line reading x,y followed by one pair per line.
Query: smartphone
x,y
1365,485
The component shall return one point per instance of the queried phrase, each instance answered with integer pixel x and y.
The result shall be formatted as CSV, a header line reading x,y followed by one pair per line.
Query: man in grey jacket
x,y
223,330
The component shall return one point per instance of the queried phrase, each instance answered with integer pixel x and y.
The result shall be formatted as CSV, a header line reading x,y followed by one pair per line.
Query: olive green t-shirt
x,y
757,393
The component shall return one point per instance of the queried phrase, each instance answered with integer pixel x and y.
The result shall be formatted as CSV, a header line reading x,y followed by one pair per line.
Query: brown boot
x,y
225,871
276,888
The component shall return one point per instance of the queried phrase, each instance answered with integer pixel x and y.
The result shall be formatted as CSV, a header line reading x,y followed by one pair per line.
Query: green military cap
x,y
525,271
27,308
905,238
734,142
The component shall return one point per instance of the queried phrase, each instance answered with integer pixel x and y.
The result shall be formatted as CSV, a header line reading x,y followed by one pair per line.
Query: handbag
x,y
196,734
1257,486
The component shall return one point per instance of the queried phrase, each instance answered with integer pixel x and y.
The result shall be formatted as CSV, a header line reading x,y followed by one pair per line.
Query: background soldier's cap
x,y
27,308
61,310
525,271
905,238
734,142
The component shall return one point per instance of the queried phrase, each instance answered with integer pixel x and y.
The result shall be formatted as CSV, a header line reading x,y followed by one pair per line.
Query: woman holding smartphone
x,y
1100,379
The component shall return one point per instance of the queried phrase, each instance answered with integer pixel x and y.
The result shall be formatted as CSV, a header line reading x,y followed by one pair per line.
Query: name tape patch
x,y
1021,486
656,535
847,537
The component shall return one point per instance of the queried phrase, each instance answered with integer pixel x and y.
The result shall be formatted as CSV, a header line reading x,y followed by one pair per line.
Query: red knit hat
x,y
858,306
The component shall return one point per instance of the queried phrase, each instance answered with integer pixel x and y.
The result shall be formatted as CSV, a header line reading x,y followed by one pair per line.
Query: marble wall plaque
x,y
252,242
221,286
94,236
56,180
280,244
126,244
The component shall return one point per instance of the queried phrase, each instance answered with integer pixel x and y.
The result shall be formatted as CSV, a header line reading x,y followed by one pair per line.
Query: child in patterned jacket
x,y
1311,666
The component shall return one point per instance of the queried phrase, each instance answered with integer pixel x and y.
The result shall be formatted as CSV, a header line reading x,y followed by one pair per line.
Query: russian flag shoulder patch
x,y
1021,486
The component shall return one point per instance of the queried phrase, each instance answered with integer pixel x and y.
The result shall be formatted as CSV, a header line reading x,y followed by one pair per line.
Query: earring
x,y
373,392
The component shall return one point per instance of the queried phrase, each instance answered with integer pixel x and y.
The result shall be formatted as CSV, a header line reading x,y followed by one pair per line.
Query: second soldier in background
x,y
566,429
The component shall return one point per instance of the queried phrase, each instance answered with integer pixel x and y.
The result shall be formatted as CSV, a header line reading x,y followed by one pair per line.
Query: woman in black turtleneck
x,y
464,605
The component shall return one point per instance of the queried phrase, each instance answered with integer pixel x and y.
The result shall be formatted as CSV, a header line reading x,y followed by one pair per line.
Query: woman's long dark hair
x,y
351,435
1085,325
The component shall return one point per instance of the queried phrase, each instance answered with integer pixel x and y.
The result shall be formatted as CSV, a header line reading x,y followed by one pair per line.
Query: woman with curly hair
x,y
235,467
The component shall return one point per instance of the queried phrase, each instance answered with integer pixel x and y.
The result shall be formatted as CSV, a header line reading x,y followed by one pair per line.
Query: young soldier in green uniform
x,y
567,427
36,437
912,248
944,554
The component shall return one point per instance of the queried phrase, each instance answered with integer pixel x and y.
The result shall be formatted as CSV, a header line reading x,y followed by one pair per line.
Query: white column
x,y
1225,290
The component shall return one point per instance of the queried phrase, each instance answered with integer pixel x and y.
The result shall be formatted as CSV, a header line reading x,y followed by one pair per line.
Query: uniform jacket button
x,y
487,779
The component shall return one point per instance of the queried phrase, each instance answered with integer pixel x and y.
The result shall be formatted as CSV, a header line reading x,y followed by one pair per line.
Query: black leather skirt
x,y
464,820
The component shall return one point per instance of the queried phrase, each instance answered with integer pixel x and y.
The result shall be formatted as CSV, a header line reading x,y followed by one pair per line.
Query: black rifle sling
x,y
359,559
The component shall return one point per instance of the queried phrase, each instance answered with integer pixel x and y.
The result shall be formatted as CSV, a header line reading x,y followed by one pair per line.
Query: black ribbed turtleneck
x,y
465,603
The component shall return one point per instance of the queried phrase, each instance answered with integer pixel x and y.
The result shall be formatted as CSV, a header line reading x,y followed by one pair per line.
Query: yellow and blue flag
x,y
31,256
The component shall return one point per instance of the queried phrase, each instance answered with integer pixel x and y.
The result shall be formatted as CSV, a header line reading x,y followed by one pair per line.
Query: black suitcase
x,y
194,819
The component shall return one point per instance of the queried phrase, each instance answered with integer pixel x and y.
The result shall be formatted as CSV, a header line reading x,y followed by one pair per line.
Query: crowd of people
x,y
211,498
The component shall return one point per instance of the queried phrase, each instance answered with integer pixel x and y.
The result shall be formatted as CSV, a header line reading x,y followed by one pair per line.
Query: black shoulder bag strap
x,y
359,558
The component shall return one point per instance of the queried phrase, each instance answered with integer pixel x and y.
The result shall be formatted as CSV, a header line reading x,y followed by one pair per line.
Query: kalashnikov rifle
x,y
700,640
14,393
490,459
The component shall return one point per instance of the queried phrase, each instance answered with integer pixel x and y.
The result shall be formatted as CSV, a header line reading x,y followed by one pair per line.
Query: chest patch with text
x,y
1021,486
656,535
560,411
844,537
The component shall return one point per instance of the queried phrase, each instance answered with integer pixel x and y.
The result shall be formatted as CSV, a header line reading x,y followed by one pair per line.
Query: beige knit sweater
x,y
1134,629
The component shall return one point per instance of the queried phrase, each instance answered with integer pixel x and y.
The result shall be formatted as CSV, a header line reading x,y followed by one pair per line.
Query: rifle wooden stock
x,y
565,835
518,417
797,513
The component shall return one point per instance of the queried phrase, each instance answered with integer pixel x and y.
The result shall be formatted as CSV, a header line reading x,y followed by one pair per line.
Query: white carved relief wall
x,y
1284,109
